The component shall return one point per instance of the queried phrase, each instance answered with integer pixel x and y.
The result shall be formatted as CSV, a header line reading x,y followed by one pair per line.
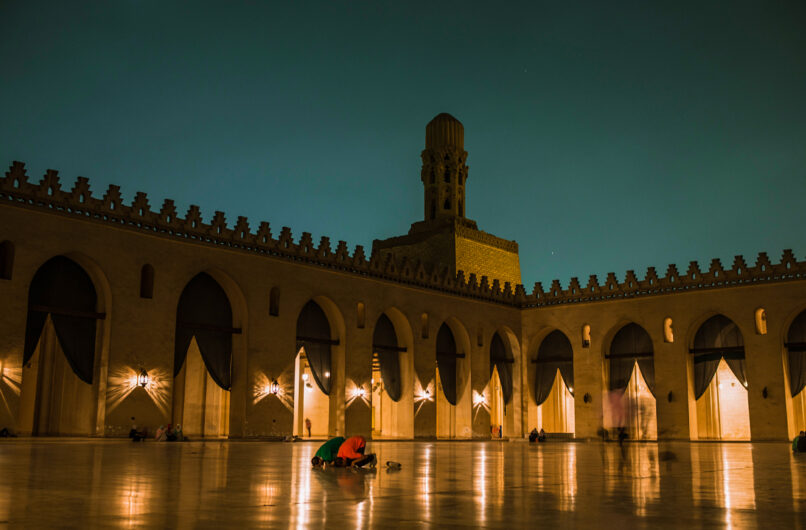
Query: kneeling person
x,y
327,453
351,453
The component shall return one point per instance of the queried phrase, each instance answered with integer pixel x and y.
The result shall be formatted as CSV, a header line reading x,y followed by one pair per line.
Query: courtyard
x,y
114,483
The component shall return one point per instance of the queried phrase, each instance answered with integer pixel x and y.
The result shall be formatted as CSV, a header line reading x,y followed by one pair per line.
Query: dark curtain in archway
x,y
796,346
64,290
630,345
446,362
501,358
204,312
313,334
718,338
384,344
555,353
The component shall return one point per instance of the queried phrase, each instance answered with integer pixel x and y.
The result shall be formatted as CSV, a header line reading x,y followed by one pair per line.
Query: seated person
x,y
326,454
799,443
541,436
351,453
533,435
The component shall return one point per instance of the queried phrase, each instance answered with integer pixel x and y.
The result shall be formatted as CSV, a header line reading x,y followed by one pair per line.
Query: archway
x,y
631,368
313,373
501,365
796,357
554,384
60,355
452,399
203,359
720,385
392,390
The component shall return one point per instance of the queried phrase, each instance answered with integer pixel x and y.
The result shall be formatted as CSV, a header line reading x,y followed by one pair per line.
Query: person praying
x,y
327,452
351,453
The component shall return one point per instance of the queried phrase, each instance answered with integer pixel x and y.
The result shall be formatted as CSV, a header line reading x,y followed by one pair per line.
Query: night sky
x,y
602,137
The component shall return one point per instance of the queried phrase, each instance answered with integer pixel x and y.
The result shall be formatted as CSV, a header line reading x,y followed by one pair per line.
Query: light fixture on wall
x,y
305,376
327,374
274,387
359,392
142,378
479,399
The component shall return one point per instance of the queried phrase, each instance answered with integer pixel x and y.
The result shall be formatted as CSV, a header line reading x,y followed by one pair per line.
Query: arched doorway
x,y
313,372
631,369
796,357
501,361
391,414
59,356
203,358
452,419
720,384
554,384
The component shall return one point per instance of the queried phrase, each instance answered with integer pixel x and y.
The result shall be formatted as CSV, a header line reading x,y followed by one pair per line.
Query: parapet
x,y
138,216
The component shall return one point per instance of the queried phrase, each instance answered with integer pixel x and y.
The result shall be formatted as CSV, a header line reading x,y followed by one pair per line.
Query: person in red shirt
x,y
351,453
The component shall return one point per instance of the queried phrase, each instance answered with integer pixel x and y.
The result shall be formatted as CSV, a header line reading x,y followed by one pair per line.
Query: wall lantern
x,y
142,378
305,376
359,392
274,387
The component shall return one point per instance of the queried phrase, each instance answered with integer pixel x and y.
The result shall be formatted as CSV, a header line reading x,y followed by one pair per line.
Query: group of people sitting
x,y
341,452
165,433
536,436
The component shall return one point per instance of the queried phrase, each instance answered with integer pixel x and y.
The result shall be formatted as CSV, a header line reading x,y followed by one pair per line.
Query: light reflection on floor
x,y
488,484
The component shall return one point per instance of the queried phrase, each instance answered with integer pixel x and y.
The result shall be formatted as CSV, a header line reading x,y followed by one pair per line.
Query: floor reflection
x,y
48,483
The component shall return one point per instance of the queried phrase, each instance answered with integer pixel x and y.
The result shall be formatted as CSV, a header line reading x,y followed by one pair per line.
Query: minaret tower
x,y
444,172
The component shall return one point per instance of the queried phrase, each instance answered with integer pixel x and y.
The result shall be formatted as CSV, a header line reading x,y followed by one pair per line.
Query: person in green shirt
x,y
327,453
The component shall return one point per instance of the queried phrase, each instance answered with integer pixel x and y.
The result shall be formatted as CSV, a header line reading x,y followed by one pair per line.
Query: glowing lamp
x,y
305,376
570,389
142,378
359,392
479,399
427,393
274,387
327,374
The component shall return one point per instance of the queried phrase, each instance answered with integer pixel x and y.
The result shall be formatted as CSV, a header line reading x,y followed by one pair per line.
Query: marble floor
x,y
115,483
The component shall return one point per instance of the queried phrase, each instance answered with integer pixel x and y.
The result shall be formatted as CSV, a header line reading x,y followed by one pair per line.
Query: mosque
x,y
114,310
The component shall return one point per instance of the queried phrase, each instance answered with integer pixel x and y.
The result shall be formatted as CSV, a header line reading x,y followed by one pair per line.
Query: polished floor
x,y
111,483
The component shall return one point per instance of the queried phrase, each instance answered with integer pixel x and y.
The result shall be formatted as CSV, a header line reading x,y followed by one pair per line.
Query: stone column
x,y
425,363
764,368
358,372
672,389
588,380
479,381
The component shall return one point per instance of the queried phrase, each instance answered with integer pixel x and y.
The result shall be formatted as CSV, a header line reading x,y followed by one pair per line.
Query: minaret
x,y
444,172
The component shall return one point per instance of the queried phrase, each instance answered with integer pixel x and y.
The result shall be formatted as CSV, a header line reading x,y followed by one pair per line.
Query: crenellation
x,y
48,193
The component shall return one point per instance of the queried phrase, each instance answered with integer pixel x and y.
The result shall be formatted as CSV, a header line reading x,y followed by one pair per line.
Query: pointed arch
x,y
796,349
501,359
555,353
446,362
630,345
716,339
62,289
313,334
204,312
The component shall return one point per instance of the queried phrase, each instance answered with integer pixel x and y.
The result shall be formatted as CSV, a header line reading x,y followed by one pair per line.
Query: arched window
x,y
274,302
447,177
361,315
447,205
147,281
6,259
313,334
761,321
586,336
668,330
446,362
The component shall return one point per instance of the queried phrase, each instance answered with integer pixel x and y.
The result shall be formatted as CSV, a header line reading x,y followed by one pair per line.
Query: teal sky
x,y
601,136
